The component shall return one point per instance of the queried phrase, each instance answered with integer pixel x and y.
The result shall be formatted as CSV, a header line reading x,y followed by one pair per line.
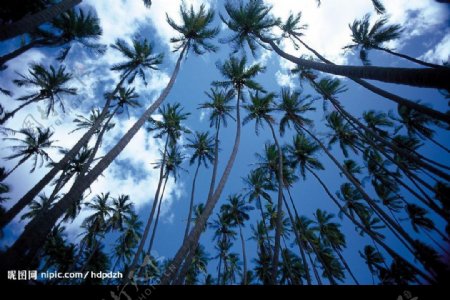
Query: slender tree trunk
x,y
276,251
7,217
194,236
344,262
385,94
24,159
316,273
152,238
431,139
373,236
436,242
244,255
216,162
7,57
219,269
433,78
11,114
414,60
34,235
191,203
31,22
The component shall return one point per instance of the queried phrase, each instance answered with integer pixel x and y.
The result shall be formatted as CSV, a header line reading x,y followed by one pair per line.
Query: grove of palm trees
x,y
225,142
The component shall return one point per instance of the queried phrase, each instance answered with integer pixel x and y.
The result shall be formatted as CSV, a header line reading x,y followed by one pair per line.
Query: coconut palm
x,y
366,38
236,211
37,206
202,144
373,259
42,14
49,84
34,145
239,76
342,133
252,24
199,265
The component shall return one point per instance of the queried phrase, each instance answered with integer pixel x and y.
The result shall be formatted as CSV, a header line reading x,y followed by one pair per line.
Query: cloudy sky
x,y
426,35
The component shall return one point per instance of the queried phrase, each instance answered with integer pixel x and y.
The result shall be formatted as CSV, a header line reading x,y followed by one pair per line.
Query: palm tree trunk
x,y
436,242
191,203
34,237
144,236
276,251
8,216
385,94
244,255
219,269
216,162
316,273
431,139
31,22
24,159
7,57
433,78
11,114
152,238
194,236
344,262
373,236
414,60
299,243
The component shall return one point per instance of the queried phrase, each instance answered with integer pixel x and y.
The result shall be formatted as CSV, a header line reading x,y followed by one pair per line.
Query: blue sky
x,y
426,35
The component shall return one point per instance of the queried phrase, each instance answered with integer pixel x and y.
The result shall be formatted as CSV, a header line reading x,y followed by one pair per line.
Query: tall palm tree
x,y
31,22
50,84
373,259
73,26
37,206
418,218
202,144
236,210
33,145
341,133
252,23
199,265
239,76
196,32
366,38
260,110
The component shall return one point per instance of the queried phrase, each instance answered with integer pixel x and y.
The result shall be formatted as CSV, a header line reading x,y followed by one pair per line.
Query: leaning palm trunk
x,y
432,78
191,203
31,22
276,251
385,94
11,114
34,235
7,57
344,262
194,236
407,57
244,255
7,217
155,227
24,159
373,236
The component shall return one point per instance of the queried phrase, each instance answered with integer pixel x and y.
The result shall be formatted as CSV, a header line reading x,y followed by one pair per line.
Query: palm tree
x,y
31,22
252,23
236,211
70,27
34,145
196,26
199,265
50,85
239,76
366,38
373,259
38,206
342,133
224,235
202,144
419,220
293,270
260,110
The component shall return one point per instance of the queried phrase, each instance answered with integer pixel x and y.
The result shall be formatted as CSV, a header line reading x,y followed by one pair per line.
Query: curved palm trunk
x,y
191,203
344,262
7,57
24,159
134,263
431,139
11,114
385,94
216,162
299,244
7,217
244,255
34,236
433,78
152,238
276,251
194,236
373,236
412,59
31,22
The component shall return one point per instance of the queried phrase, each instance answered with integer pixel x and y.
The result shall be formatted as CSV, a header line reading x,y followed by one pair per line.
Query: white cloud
x,y
440,53
284,79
